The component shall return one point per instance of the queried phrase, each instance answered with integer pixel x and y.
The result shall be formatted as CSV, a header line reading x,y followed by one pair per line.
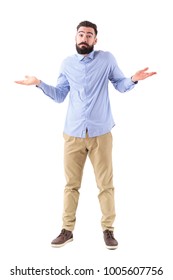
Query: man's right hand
x,y
28,81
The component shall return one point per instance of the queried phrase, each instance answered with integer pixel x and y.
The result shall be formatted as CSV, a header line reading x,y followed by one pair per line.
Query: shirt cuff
x,y
134,82
40,84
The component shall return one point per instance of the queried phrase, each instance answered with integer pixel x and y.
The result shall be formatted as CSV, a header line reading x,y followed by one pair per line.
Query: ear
x,y
95,41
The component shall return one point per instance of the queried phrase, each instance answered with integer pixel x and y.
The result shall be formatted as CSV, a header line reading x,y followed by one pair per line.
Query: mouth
x,y
83,44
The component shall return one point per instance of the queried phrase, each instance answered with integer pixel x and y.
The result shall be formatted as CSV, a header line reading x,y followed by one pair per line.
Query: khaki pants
x,y
99,150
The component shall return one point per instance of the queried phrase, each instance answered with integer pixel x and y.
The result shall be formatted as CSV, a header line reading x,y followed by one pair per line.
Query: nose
x,y
84,38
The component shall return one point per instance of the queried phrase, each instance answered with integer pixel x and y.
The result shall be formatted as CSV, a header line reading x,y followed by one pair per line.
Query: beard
x,y
85,49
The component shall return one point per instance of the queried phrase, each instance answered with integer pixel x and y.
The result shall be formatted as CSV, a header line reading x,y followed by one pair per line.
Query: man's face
x,y
85,40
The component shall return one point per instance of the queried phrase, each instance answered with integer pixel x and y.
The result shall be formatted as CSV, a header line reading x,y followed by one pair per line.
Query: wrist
x,y
38,82
133,80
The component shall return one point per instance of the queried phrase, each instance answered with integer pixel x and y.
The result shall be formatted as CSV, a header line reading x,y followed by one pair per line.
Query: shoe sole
x,y
112,247
61,245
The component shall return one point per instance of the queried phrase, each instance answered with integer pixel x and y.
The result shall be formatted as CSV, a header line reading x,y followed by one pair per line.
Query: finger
x,y
19,82
145,69
22,82
152,73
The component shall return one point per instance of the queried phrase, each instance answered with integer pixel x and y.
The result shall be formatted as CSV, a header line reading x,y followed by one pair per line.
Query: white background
x,y
35,37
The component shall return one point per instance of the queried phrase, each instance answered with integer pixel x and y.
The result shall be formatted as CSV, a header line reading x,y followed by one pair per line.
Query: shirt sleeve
x,y
59,92
118,79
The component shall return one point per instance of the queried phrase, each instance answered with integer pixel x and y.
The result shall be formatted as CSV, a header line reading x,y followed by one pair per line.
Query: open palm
x,y
29,80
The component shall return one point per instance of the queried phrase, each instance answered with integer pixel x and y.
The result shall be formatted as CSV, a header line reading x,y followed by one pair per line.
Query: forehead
x,y
86,30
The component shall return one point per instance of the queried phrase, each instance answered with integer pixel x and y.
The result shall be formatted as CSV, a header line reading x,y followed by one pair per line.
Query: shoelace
x,y
109,234
63,232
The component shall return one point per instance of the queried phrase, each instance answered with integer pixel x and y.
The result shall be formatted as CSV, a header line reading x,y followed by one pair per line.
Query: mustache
x,y
85,44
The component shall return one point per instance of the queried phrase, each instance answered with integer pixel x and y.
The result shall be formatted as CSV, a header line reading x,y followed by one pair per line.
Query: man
x,y
88,125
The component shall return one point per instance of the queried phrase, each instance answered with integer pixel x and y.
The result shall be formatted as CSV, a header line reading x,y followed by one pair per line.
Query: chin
x,y
84,49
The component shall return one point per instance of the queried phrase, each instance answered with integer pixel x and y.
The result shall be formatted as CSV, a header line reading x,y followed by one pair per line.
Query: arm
x,y
123,84
57,93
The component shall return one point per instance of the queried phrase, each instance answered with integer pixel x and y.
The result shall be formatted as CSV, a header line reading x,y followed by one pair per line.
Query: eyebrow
x,y
86,32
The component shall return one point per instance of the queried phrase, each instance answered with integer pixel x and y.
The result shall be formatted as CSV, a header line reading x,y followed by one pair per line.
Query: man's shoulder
x,y
69,58
105,57
105,54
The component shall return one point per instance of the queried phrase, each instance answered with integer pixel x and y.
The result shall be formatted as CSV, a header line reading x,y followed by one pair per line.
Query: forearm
x,y
58,94
120,81
124,85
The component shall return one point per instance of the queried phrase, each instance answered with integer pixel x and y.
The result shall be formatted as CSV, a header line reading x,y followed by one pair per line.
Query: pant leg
x,y
100,154
75,154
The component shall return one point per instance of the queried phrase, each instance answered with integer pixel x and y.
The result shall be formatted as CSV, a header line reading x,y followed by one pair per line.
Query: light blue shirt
x,y
85,79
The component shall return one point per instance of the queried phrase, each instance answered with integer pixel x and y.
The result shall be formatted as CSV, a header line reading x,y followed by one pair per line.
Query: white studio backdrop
x,y
35,37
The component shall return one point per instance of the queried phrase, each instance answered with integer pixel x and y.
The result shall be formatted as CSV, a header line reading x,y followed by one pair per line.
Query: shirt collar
x,y
90,56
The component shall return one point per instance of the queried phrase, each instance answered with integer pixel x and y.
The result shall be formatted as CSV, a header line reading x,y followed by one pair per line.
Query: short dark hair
x,y
88,24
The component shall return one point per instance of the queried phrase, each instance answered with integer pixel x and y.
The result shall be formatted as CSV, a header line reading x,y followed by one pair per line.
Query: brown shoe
x,y
110,241
62,239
